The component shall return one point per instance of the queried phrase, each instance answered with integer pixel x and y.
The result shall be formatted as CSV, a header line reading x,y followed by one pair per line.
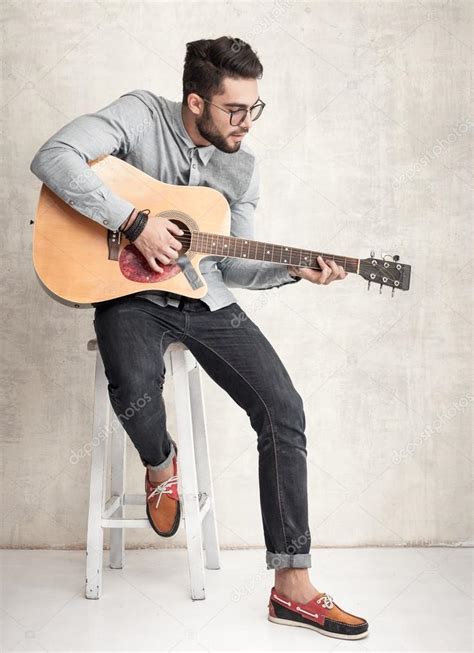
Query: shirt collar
x,y
204,152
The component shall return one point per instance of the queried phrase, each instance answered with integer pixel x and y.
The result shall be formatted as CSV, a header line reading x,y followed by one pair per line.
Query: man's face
x,y
214,124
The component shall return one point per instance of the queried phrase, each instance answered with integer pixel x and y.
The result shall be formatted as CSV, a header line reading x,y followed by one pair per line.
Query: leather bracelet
x,y
138,226
122,228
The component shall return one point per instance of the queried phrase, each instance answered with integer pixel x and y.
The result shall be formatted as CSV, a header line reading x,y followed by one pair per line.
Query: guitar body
x,y
71,252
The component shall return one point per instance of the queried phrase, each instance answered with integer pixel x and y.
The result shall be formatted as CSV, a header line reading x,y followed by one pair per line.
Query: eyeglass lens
x,y
239,116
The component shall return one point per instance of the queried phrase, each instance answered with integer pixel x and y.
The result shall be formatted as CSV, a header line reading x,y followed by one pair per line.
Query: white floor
x,y
414,600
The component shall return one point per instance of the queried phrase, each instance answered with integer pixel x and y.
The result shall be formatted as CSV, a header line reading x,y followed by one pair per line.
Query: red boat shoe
x,y
320,614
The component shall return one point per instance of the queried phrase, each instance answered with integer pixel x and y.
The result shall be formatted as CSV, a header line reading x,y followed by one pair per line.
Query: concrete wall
x,y
365,143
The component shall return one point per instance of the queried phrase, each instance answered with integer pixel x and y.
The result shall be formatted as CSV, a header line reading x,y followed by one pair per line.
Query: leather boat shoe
x,y
163,506
320,614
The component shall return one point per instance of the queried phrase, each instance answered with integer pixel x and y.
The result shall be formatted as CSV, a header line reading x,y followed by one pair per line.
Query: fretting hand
x,y
330,271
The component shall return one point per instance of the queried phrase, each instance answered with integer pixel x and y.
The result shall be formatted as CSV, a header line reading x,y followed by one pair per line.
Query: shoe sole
x,y
287,622
174,529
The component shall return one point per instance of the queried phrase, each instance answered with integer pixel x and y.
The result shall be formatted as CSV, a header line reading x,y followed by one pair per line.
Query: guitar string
x,y
187,241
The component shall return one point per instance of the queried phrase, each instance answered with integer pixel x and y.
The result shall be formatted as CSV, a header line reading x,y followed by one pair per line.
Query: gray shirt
x,y
147,131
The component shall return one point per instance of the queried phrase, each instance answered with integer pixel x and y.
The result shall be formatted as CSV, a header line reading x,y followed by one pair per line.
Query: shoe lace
x,y
327,601
163,488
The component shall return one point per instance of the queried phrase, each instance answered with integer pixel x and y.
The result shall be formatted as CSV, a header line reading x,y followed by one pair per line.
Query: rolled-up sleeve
x,y
61,163
240,273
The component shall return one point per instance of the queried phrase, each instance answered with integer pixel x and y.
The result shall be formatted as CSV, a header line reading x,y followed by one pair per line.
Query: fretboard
x,y
208,243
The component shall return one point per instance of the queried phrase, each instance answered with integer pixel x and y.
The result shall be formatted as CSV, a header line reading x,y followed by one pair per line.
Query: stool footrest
x,y
122,522
114,504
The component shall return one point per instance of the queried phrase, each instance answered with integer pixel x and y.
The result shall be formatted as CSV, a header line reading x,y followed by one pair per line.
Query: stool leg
x,y
203,466
188,487
95,533
117,488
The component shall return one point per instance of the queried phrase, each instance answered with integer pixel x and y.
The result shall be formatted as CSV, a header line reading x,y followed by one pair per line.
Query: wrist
x,y
293,271
137,224
129,221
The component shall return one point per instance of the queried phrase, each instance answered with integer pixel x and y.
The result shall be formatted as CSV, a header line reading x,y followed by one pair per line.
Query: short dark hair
x,y
208,61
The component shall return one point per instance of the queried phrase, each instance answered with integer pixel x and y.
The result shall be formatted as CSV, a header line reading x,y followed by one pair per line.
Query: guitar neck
x,y
256,250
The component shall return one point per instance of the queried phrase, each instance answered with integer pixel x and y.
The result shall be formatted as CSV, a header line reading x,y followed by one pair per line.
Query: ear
x,y
195,104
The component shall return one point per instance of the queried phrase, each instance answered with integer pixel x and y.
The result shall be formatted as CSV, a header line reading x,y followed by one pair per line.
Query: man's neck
x,y
190,126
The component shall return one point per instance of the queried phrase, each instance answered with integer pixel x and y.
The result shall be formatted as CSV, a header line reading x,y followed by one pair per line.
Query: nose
x,y
247,123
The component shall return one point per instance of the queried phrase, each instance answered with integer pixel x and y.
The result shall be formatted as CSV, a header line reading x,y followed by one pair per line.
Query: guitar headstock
x,y
385,272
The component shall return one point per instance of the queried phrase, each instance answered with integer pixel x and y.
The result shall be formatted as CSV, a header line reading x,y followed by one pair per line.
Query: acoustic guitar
x,y
81,262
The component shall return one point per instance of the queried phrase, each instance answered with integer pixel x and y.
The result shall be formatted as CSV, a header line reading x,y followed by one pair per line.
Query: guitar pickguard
x,y
134,267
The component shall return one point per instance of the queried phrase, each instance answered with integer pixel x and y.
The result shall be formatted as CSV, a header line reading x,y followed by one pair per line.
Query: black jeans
x,y
133,334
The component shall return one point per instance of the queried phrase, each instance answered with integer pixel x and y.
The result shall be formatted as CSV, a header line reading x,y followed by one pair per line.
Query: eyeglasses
x,y
237,117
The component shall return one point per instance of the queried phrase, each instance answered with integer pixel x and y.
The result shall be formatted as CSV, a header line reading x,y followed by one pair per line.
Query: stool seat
x,y
195,487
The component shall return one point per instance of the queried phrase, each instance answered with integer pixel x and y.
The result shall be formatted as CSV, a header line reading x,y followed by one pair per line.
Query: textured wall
x,y
365,143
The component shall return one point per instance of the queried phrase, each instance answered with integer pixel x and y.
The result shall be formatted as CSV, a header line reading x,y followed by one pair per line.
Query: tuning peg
x,y
396,257
372,253
368,285
380,291
393,290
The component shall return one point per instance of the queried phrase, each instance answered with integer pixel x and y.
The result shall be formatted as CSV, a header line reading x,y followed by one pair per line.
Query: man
x,y
199,141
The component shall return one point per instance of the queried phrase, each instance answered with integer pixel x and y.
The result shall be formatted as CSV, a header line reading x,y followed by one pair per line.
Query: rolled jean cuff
x,y
165,463
288,560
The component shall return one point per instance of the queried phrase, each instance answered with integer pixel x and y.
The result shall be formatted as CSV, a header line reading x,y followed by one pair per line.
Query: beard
x,y
208,130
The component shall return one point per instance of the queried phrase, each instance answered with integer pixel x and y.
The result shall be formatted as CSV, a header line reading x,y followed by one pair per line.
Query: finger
x,y
175,243
338,271
153,264
334,274
172,253
322,262
324,270
171,226
330,266
163,258
342,273
324,275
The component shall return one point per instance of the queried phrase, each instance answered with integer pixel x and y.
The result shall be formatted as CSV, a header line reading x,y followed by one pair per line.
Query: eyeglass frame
x,y
258,103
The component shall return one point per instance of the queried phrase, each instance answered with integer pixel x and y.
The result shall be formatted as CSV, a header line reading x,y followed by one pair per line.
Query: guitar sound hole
x,y
185,239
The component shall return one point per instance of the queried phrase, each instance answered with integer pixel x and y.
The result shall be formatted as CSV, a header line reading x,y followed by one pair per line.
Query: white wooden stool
x,y
194,477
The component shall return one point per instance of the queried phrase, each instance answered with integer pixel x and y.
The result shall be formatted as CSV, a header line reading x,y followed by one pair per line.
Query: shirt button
x,y
105,221
194,165
71,202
